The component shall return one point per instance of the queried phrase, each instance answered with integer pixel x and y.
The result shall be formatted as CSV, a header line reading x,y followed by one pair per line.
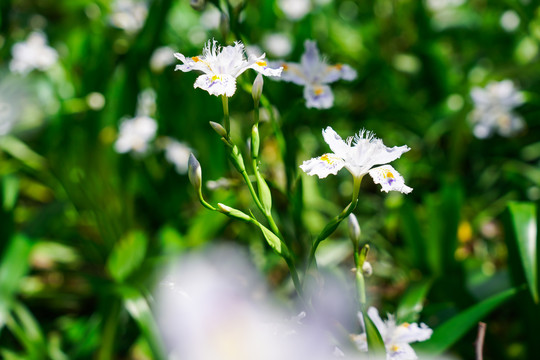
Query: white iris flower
x,y
135,134
493,107
34,53
177,153
222,65
315,74
358,155
396,337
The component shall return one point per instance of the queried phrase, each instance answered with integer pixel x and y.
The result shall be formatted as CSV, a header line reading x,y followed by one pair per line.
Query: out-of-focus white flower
x,y
493,107
221,67
214,307
146,102
129,15
210,18
358,155
314,74
161,58
177,153
295,9
278,44
396,337
12,99
135,134
34,53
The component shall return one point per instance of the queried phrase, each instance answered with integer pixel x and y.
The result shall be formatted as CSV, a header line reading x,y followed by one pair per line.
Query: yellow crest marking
x,y
195,58
261,63
318,91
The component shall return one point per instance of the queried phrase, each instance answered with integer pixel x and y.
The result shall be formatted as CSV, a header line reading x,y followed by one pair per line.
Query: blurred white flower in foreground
x,y
177,153
314,74
161,58
358,155
12,101
396,337
135,134
493,107
295,9
214,306
221,67
34,53
129,15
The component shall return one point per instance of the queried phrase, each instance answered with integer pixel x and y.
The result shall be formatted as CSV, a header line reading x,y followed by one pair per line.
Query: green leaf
x,y
375,342
10,191
14,267
138,308
272,239
127,255
523,218
412,302
413,236
452,330
264,193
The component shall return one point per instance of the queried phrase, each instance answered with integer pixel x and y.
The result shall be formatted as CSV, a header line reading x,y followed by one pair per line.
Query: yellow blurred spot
x,y
405,325
214,78
107,135
394,348
464,232
284,66
338,66
261,63
318,91
195,58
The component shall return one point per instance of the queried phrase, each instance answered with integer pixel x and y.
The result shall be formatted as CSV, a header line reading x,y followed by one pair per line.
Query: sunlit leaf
x,y
523,216
412,302
127,255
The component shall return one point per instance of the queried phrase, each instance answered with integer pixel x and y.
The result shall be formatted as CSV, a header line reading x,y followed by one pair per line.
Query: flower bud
x,y
367,269
194,173
255,141
197,4
234,213
219,129
257,88
354,230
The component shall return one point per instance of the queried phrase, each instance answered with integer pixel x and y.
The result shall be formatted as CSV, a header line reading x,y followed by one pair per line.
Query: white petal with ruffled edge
x,y
217,85
389,179
318,96
323,166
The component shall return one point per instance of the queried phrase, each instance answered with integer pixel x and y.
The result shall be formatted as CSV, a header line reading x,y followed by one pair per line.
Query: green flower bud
x,y
257,88
194,173
234,213
354,230
255,141
219,129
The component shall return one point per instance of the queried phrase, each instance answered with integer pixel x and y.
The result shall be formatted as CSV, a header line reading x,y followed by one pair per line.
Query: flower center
x,y
394,348
318,91
338,66
284,66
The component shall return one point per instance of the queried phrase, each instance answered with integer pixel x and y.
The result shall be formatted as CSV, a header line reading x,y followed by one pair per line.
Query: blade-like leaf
x,y
452,330
375,342
127,255
523,217
13,268
412,302
138,308
272,239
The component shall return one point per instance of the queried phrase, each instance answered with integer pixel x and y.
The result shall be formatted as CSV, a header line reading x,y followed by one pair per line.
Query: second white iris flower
x,y
358,155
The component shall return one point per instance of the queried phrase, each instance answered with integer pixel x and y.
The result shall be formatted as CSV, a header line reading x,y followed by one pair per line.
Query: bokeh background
x,y
85,230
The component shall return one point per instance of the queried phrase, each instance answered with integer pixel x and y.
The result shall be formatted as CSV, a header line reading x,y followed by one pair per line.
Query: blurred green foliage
x,y
84,230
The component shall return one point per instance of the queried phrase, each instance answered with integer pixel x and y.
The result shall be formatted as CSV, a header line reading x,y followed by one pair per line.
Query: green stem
x,y
226,119
106,349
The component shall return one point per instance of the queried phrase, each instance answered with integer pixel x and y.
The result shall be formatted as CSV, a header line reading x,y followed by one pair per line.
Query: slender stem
x,y
329,229
252,191
479,344
226,120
